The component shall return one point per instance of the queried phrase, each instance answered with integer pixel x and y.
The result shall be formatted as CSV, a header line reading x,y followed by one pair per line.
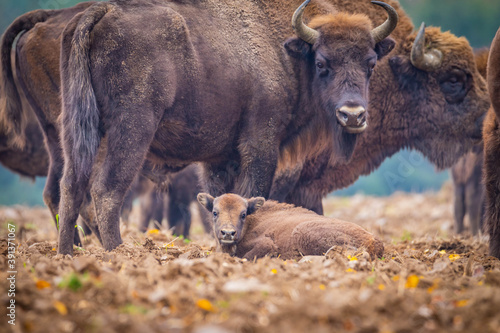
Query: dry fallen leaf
x,y
42,284
61,308
412,281
205,304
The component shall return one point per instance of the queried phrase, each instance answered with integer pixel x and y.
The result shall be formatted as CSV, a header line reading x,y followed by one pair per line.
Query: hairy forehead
x,y
228,202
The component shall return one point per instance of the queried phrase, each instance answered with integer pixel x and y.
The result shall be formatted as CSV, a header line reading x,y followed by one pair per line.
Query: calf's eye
x,y
243,215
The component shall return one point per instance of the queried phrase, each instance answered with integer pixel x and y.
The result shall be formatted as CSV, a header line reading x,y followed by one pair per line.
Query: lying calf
x,y
253,228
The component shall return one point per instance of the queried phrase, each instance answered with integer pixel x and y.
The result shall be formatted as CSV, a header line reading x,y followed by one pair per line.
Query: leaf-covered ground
x,y
428,281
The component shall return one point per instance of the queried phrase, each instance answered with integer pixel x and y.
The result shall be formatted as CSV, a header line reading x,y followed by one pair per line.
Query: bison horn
x,y
427,61
305,33
385,29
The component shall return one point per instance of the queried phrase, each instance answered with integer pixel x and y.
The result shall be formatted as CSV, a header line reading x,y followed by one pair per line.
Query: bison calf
x,y
253,228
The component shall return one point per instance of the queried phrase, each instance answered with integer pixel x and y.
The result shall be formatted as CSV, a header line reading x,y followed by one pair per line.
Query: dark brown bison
x,y
426,95
467,175
30,160
491,133
37,72
253,228
182,82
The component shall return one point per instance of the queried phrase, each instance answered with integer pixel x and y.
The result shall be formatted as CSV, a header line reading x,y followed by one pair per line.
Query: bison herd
x,y
278,100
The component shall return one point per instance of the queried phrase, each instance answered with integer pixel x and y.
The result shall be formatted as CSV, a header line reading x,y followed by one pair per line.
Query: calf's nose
x,y
353,118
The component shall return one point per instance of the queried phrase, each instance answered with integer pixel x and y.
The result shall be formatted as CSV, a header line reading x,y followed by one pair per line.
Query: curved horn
x,y
385,29
427,61
305,33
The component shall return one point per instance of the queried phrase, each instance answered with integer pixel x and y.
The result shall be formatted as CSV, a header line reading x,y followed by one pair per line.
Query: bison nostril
x,y
344,117
362,117
232,233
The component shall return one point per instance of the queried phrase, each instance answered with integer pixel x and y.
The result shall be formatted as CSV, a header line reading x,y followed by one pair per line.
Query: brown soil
x,y
428,281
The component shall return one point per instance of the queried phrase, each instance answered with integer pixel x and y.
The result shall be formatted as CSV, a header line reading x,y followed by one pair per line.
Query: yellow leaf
x,y
274,271
480,283
205,304
352,258
442,252
61,308
153,231
42,284
461,303
454,257
322,287
412,281
395,278
381,287
53,249
350,270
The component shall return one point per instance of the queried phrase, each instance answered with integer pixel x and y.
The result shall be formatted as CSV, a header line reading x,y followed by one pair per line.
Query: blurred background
x,y
406,171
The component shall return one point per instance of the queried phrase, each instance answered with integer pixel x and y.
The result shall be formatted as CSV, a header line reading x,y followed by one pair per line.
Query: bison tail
x,y
12,117
493,74
80,113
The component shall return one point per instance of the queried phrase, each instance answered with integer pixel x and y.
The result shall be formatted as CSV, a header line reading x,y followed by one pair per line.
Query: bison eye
x,y
320,65
215,214
243,215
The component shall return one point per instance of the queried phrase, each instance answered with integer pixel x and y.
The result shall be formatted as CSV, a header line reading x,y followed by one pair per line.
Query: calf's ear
x,y
384,47
254,204
206,200
297,48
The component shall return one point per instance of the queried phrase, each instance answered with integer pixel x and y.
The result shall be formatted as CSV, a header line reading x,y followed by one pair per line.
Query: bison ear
x,y
206,200
407,76
254,204
297,48
384,47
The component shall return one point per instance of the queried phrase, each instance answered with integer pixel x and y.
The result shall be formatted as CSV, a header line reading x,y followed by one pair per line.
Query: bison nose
x,y
228,233
353,118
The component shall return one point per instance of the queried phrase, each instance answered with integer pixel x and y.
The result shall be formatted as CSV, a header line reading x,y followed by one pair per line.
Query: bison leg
x,y
262,247
123,160
474,199
284,182
307,197
151,209
72,194
259,165
218,179
459,208
179,217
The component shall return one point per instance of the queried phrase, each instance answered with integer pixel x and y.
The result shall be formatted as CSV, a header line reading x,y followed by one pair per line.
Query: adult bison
x,y
37,74
492,149
45,37
253,228
426,95
178,82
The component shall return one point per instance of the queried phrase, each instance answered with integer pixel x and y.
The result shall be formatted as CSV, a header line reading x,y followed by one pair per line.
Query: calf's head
x,y
336,55
229,212
442,98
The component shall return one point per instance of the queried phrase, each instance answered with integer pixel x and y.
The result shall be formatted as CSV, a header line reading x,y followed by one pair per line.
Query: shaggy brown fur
x,y
491,134
169,71
253,228
438,113
467,174
37,71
